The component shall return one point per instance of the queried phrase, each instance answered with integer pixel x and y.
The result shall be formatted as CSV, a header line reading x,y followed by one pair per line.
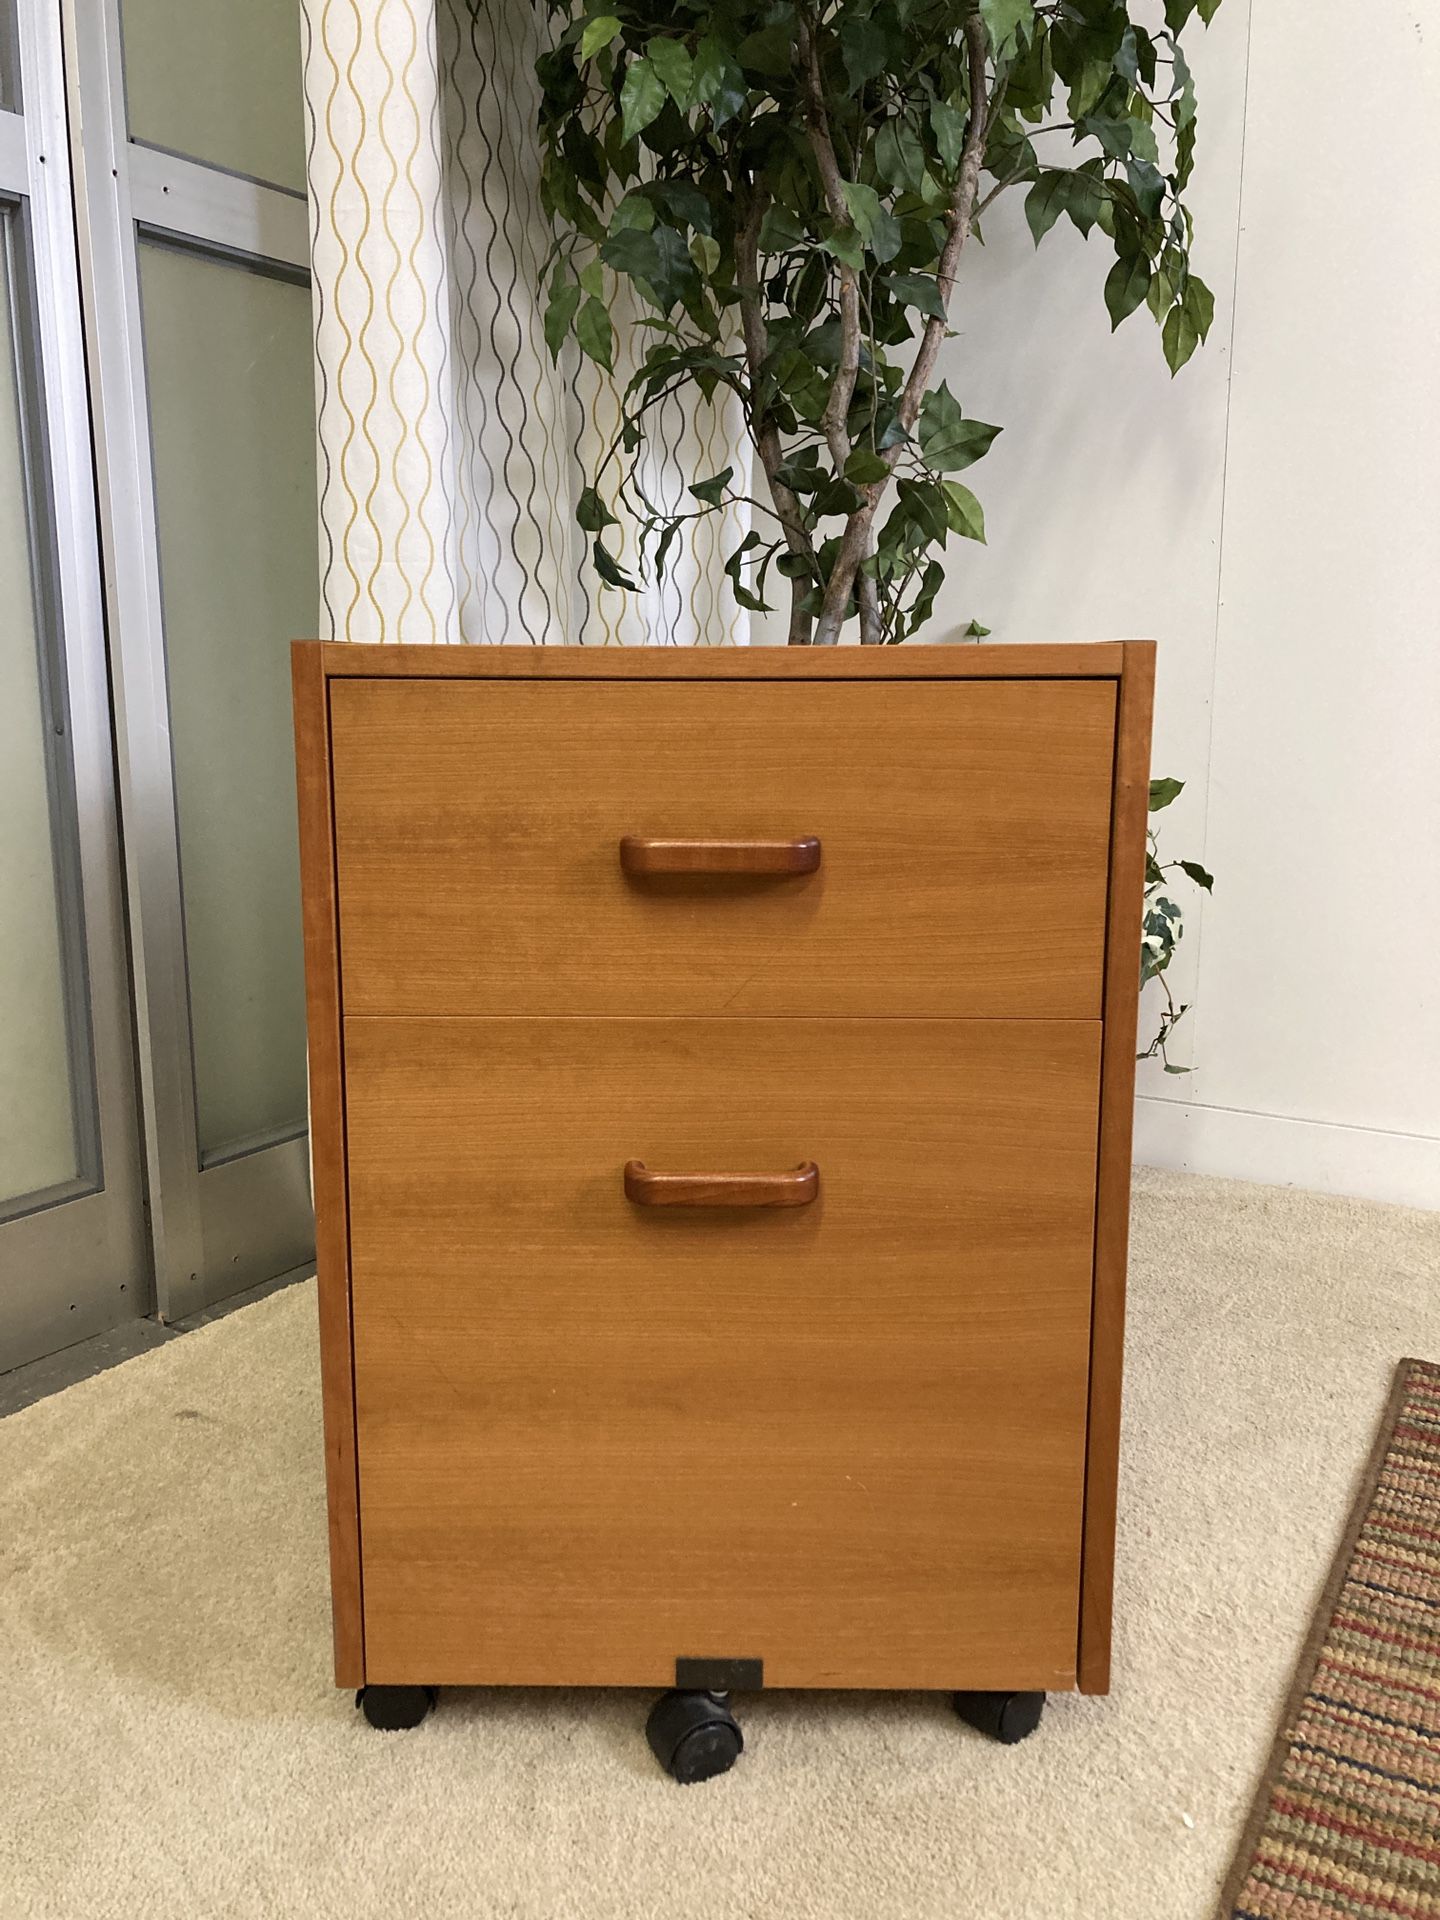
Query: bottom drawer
x,y
846,1438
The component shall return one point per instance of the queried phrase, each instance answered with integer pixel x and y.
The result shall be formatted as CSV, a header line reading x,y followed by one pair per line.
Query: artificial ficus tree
x,y
790,187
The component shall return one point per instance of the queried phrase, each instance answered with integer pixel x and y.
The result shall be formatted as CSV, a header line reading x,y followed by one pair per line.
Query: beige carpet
x,y
170,1745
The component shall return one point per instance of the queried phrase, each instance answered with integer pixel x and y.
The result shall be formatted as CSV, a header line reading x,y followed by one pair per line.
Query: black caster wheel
x,y
694,1736
395,1709
1006,1717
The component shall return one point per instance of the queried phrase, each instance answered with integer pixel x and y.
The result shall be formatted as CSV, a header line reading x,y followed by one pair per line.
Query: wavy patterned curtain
x,y
451,449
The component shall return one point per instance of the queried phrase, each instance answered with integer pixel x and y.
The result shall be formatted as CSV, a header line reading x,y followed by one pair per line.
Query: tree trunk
x,y
802,624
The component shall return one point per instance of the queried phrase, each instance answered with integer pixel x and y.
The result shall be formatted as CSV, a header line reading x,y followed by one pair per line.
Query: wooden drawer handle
x,y
796,1188
640,855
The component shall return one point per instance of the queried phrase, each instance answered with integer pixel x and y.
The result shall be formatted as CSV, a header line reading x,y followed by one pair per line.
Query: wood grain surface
x,y
1117,1117
327,1136
991,661
847,1438
965,828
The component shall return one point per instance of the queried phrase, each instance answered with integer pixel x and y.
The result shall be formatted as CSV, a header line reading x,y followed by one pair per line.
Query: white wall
x,y
1272,518
1318,1028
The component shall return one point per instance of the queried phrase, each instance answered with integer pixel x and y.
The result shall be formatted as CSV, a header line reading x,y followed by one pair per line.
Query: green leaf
x,y
718,82
592,278
641,97
684,202
768,51
1184,94
1126,286
667,540
1197,873
918,290
1184,156
1045,203
591,513
1199,304
1142,142
923,605
1180,337
1162,792
1207,9
948,442
674,66
1161,296
864,46
633,211
564,299
1147,183
712,491
674,277
921,509
598,33
974,631
845,243
836,496
1115,136
899,156
780,231
879,229
632,251
948,125
609,568
595,334
705,252
733,566
964,512
1085,199
1007,21
864,468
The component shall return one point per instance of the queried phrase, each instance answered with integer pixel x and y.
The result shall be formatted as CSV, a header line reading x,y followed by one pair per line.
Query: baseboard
x,y
1279,1151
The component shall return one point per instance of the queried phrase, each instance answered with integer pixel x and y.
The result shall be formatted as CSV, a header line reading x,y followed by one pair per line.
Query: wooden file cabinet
x,y
864,1434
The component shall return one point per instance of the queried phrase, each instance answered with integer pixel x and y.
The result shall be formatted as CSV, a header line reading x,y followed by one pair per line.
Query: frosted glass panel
x,y
37,1120
219,81
9,58
232,412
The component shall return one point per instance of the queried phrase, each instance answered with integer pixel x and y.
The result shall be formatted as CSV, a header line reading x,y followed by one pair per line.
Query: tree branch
x,y
817,127
788,510
960,217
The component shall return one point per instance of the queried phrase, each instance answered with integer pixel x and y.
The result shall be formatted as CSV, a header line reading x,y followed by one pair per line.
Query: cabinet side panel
x,y
327,1151
1112,1207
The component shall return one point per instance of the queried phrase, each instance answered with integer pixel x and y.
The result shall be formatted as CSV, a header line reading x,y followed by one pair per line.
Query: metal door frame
x,y
225,1225
75,1254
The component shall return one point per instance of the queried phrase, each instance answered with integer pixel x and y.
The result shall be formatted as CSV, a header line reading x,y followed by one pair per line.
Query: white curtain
x,y
451,449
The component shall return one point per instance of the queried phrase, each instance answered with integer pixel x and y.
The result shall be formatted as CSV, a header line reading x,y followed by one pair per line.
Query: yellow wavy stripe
x,y
336,229
378,144
444,618
465,522
417,357
525,213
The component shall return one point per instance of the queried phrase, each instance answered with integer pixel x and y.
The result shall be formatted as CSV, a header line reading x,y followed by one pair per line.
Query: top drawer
x,y
964,829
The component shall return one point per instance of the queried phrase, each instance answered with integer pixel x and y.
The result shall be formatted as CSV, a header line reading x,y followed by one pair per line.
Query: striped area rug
x,y
1347,1823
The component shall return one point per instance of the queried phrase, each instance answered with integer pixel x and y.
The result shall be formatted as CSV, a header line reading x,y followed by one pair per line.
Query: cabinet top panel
x,y
1104,660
